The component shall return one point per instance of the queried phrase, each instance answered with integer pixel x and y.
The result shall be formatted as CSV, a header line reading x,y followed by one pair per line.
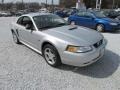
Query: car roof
x,y
36,14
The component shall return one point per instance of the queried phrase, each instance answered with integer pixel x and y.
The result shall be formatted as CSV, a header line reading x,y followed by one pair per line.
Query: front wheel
x,y
72,23
100,28
51,55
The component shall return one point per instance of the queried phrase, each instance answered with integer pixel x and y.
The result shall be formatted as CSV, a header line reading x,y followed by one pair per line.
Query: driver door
x,y
28,36
89,20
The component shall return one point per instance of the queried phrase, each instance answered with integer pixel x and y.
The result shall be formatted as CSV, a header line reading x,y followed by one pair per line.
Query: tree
x,y
68,3
90,3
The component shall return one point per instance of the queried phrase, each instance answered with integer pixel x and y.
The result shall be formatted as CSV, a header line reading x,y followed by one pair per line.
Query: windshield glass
x,y
49,21
99,14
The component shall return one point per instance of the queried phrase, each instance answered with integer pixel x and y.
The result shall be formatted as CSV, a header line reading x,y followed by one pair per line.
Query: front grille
x,y
98,44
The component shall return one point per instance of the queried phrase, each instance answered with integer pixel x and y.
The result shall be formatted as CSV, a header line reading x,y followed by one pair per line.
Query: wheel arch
x,y
58,60
100,23
45,43
15,31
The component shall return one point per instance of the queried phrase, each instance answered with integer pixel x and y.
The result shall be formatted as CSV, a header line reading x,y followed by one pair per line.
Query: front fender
x,y
59,44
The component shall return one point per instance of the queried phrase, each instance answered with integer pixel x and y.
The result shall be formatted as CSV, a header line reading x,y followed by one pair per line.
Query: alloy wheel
x,y
50,56
100,28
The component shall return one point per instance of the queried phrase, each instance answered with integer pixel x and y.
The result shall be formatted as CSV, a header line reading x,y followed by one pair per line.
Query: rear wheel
x,y
100,28
15,38
51,55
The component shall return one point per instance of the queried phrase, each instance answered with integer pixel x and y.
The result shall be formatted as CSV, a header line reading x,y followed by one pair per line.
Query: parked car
x,y
43,10
117,10
58,42
95,20
61,13
5,14
118,18
110,13
19,13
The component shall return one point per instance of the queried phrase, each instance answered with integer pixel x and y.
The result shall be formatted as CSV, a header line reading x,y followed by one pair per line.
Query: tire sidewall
x,y
14,35
17,40
102,26
54,50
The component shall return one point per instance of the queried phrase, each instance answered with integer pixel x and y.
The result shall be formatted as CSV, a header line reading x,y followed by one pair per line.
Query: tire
x,y
100,28
72,23
15,38
51,55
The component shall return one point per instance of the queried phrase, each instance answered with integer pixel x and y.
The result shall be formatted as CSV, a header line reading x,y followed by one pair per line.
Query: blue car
x,y
95,20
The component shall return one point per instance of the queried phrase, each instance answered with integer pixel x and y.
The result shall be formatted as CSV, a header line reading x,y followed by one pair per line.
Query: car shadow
x,y
113,32
117,32
103,68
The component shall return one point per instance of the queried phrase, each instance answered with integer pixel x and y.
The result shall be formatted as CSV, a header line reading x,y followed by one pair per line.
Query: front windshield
x,y
99,14
49,21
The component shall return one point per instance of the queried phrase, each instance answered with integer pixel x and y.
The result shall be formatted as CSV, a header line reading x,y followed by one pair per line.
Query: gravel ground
x,y
23,69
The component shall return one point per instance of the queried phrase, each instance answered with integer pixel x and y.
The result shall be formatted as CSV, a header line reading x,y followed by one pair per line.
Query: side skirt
x,y
31,47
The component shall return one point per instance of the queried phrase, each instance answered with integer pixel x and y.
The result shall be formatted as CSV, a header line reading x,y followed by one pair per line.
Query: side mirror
x,y
28,26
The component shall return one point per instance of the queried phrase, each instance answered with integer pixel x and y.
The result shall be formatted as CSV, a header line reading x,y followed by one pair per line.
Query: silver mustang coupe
x,y
57,41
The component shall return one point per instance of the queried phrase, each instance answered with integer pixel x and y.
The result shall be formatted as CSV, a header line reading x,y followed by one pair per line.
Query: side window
x,y
26,20
88,15
81,14
20,21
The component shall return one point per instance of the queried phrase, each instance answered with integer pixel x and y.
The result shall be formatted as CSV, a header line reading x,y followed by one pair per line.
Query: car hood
x,y
110,20
76,35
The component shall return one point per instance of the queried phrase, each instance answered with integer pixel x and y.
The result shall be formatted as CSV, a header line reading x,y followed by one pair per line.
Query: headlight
x,y
77,49
114,24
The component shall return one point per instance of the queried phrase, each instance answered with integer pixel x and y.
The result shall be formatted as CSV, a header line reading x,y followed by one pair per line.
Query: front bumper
x,y
84,59
114,28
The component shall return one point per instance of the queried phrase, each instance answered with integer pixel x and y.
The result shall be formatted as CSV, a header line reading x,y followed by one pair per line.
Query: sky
x,y
49,1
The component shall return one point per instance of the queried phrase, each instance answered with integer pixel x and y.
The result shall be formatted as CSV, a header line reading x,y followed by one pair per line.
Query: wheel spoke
x,y
49,55
53,61
46,53
100,28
